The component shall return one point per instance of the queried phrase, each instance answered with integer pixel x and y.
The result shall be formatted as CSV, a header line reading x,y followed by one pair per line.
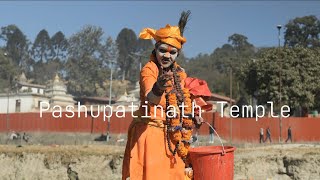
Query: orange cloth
x,y
169,35
197,87
147,156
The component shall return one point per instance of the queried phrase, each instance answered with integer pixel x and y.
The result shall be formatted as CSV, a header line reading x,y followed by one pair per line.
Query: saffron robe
x,y
147,156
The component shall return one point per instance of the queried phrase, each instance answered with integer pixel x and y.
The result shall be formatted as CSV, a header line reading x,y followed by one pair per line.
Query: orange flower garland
x,y
181,131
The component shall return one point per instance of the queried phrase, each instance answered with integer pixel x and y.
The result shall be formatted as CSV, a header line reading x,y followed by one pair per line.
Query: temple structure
x,y
56,91
26,96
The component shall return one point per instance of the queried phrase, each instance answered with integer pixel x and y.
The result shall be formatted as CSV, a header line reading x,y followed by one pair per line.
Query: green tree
x,y
42,48
109,58
200,66
240,43
59,46
299,76
225,63
16,46
86,42
144,45
140,57
144,50
84,63
223,58
127,44
45,71
8,71
243,51
81,75
303,31
109,53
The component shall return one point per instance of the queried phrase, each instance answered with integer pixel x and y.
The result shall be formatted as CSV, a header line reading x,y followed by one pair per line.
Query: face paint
x,y
166,55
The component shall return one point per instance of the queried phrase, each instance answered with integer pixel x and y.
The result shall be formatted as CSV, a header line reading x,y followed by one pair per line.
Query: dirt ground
x,y
278,162
98,160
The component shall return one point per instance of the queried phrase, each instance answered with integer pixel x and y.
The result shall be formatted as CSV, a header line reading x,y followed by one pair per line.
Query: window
x,y
18,105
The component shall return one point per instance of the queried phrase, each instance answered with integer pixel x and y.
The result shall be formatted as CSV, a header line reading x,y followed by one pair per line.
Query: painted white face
x,y
166,55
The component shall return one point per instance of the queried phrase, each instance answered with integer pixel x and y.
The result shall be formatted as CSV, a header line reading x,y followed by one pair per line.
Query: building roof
x,y
6,95
31,85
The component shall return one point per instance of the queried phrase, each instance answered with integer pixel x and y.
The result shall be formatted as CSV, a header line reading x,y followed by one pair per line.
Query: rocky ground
x,y
283,162
52,162
97,160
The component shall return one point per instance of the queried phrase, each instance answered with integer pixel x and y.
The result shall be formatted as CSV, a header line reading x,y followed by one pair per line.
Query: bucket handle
x,y
223,150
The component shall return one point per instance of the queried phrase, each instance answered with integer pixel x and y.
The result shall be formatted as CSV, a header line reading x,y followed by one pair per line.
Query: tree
x,y
7,31
126,41
200,66
59,46
144,45
224,60
239,42
109,53
225,64
84,63
140,57
43,72
42,53
8,71
81,75
299,76
109,58
143,51
42,48
303,31
86,42
232,55
16,46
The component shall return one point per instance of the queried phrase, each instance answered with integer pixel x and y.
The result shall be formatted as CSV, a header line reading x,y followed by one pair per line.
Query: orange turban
x,y
169,35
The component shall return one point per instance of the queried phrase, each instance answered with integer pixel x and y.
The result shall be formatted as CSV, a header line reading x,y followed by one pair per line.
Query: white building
x,y
57,93
21,102
28,96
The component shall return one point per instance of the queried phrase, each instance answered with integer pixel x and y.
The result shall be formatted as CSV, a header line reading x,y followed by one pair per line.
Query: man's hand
x,y
162,83
160,86
163,79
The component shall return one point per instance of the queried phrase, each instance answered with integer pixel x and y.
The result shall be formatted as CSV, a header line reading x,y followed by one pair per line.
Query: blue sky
x,y
211,23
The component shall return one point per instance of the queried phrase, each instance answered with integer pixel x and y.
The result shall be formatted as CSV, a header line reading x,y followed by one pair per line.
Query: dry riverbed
x,y
287,161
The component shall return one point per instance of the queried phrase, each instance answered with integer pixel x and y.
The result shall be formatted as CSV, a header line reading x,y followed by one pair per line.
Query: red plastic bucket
x,y
212,162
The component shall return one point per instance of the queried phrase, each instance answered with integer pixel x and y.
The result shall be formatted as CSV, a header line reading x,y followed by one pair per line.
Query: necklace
x,y
178,116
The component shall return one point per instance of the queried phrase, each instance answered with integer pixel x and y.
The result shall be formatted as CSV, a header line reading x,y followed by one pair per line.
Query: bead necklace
x,y
179,128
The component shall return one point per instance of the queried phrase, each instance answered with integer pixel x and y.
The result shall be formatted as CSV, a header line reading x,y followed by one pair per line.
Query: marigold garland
x,y
180,127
